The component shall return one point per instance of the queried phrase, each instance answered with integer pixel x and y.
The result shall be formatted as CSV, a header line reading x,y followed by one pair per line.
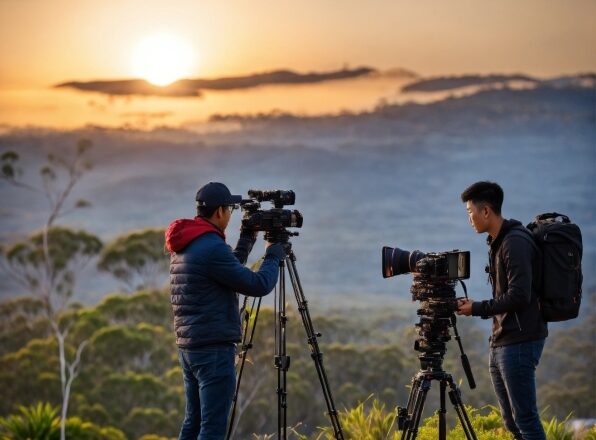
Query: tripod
x,y
431,368
409,417
281,359
436,317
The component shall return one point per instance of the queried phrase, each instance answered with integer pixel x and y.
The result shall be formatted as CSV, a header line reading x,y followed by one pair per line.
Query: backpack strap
x,y
520,231
552,216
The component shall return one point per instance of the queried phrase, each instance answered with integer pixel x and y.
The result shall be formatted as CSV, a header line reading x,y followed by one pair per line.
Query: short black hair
x,y
206,211
485,192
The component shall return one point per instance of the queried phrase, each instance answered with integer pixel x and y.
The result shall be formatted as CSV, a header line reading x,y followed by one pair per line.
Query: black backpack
x,y
560,284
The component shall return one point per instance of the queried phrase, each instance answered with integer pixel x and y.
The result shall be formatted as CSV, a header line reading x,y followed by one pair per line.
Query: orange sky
x,y
43,42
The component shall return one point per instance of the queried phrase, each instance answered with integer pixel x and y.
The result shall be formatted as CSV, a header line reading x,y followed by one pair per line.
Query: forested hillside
x,y
130,378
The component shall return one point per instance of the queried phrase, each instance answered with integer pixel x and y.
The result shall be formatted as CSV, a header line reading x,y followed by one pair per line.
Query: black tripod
x,y
431,368
436,317
281,359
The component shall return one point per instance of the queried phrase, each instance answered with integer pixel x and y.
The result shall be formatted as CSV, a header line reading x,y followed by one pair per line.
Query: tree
x,y
41,263
66,250
137,259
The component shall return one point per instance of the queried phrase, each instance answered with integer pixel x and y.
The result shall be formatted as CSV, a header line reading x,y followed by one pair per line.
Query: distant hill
x,y
540,109
391,176
454,82
193,87
444,83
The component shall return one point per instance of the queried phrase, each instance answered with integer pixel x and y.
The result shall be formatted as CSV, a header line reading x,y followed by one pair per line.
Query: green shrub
x,y
41,422
371,421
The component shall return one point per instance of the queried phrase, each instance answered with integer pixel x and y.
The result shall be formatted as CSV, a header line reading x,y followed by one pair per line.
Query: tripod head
x,y
280,235
437,316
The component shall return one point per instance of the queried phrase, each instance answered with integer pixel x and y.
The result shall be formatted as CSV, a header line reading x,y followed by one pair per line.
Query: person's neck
x,y
219,228
495,227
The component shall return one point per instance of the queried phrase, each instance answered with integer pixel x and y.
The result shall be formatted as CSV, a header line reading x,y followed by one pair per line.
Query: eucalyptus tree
x,y
48,261
137,259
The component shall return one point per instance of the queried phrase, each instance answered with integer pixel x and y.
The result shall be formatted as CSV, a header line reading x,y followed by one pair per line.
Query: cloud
x,y
194,87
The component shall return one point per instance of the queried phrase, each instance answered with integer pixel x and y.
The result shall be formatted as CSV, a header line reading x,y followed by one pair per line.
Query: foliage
x,y
44,264
21,320
67,251
130,377
556,430
37,422
564,382
137,259
374,423
370,421
41,422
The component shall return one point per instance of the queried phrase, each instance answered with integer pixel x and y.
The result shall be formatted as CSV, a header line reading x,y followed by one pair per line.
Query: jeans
x,y
512,370
209,383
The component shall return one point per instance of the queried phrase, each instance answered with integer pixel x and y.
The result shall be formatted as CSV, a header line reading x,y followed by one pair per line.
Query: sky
x,y
44,42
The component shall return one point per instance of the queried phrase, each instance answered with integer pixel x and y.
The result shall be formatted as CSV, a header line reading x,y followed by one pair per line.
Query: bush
x,y
41,422
371,421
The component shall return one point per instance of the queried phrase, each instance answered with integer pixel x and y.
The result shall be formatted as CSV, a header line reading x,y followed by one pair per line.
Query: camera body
x,y
438,266
273,221
434,278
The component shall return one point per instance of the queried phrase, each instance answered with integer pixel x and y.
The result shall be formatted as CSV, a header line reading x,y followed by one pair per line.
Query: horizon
x,y
169,45
110,40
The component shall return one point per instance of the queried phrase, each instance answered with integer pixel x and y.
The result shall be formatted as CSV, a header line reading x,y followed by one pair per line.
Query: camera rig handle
x,y
280,236
465,363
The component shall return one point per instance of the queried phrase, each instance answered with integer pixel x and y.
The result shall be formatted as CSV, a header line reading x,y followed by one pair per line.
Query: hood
x,y
184,230
505,228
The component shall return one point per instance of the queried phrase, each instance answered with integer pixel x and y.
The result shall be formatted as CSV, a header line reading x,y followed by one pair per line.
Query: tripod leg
x,y
442,412
316,354
247,338
404,413
282,361
417,407
455,397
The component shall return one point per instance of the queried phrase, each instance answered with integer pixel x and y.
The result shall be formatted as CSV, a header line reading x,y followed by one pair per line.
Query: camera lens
x,y
397,261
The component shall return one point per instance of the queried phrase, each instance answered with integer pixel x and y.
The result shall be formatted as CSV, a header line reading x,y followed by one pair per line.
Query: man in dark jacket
x,y
205,275
519,332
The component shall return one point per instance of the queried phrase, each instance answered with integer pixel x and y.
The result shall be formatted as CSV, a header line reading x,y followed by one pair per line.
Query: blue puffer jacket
x,y
205,275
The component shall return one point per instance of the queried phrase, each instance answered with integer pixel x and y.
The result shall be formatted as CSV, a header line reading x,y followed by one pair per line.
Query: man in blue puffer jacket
x,y
205,275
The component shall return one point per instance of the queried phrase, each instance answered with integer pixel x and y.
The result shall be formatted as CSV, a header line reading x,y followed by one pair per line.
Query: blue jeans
x,y
512,370
209,382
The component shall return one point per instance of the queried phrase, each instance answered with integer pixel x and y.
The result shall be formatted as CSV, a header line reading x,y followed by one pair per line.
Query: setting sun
x,y
162,59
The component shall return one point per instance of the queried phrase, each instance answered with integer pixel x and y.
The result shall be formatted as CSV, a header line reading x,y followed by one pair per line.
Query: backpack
x,y
560,283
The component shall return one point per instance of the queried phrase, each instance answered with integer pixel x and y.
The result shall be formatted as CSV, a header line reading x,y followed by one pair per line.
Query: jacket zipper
x,y
518,324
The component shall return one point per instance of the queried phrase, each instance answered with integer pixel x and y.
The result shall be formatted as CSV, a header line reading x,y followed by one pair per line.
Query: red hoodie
x,y
184,230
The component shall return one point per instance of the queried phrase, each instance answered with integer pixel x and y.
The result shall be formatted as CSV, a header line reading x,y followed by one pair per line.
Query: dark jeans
x,y
512,370
209,382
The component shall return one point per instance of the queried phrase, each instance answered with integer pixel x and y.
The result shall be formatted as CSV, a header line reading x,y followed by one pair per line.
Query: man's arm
x,y
225,268
517,257
244,246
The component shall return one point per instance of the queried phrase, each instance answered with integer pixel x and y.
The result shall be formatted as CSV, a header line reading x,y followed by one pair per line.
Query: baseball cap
x,y
216,194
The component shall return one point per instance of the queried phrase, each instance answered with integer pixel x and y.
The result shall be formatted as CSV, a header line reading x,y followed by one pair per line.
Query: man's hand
x,y
279,250
464,307
248,233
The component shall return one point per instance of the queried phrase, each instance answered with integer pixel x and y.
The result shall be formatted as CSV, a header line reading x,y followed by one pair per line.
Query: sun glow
x,y
162,59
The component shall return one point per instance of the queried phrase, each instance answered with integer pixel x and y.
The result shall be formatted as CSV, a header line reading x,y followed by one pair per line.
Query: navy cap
x,y
216,194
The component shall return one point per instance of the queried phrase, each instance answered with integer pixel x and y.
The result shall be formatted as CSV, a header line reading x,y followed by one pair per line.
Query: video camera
x,y
435,276
446,266
273,221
